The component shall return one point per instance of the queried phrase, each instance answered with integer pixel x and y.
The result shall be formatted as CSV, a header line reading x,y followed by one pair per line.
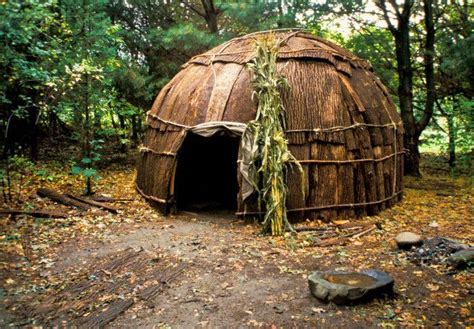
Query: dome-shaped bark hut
x,y
341,125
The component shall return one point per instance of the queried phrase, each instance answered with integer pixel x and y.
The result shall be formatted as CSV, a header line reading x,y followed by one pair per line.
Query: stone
x,y
462,258
349,287
435,251
406,240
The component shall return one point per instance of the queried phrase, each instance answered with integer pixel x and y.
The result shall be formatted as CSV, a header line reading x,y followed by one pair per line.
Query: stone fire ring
x,y
378,282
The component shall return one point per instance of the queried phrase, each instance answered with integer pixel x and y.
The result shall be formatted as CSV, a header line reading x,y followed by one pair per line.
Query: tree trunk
x,y
210,15
405,95
135,130
87,143
33,132
401,35
451,142
123,146
428,59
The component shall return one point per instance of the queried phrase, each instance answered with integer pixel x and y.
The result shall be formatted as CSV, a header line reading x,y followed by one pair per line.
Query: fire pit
x,y
348,287
439,250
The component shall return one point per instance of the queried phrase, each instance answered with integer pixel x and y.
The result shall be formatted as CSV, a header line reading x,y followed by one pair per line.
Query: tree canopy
x,y
89,70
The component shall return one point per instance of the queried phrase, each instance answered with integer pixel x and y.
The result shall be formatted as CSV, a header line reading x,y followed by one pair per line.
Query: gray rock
x,y
340,293
406,240
462,258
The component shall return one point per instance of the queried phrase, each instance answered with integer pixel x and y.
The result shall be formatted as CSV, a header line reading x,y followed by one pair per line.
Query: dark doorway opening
x,y
206,173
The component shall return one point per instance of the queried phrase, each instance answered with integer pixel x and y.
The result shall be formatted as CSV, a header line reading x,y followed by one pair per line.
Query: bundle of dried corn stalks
x,y
270,157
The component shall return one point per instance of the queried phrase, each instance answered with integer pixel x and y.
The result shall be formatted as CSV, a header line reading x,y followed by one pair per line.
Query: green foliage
x,y
370,38
27,51
376,46
271,157
12,176
90,69
85,167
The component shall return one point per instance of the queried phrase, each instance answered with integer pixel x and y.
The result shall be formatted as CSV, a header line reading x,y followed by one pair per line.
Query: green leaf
x,y
76,170
89,172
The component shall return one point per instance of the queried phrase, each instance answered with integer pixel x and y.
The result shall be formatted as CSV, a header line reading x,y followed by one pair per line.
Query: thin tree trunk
x,y
33,132
452,142
401,35
5,199
405,94
451,132
123,146
9,180
87,144
428,59
210,15
135,129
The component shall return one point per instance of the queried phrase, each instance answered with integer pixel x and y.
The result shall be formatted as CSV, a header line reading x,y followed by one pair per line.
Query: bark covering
x,y
342,125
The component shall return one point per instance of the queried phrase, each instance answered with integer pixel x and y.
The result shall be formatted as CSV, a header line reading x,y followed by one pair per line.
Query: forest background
x,y
79,76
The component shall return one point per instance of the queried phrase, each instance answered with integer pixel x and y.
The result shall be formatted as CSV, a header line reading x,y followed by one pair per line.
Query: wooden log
x,y
93,203
34,213
61,198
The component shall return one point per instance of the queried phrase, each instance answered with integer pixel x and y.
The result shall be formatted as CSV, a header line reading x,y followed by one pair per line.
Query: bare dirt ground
x,y
139,269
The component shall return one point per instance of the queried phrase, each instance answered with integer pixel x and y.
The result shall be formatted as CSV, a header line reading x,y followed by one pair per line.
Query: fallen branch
x,y
107,199
312,229
331,242
34,213
93,203
61,198
368,230
341,240
358,224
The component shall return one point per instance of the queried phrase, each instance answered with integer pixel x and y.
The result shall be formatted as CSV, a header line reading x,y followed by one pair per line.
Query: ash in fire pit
x,y
437,250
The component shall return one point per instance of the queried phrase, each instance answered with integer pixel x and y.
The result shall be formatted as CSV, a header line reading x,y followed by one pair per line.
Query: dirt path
x,y
232,277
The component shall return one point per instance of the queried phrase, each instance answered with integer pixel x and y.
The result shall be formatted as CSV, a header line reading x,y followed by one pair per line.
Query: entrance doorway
x,y
206,173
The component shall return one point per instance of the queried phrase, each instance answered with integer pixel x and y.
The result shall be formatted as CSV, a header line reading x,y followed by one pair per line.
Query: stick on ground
x,y
93,203
108,199
61,198
34,213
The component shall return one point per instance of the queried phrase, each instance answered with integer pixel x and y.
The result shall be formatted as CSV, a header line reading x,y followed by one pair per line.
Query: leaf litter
x,y
231,275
